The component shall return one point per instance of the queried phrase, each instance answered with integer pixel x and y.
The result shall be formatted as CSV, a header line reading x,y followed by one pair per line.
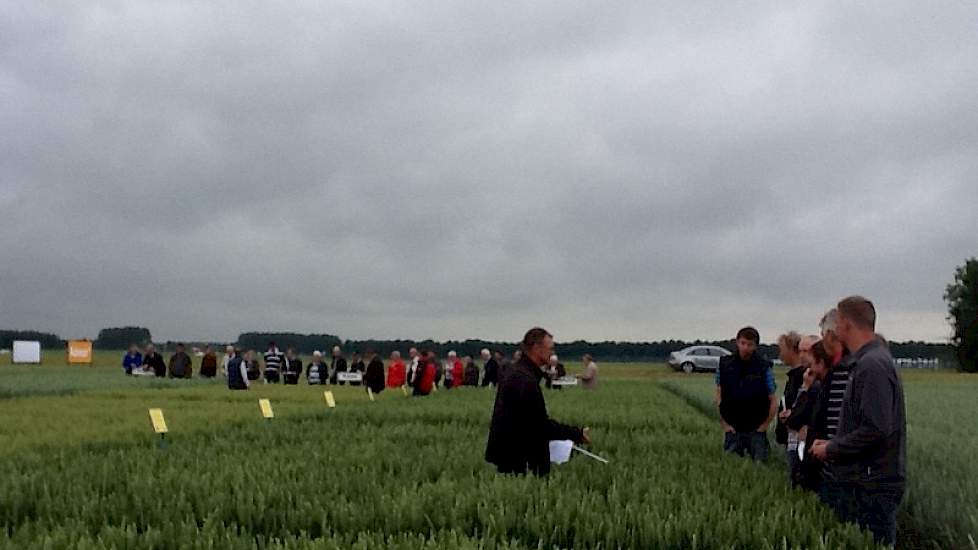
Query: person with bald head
x,y
521,431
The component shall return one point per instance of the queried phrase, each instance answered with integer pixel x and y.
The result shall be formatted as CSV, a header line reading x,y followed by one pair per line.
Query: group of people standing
x,y
841,417
422,373
180,365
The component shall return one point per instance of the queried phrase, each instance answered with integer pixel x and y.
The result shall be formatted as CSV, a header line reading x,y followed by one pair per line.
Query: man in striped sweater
x,y
273,363
830,404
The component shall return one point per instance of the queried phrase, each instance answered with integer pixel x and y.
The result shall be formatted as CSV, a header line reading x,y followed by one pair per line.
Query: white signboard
x,y
565,381
349,376
26,352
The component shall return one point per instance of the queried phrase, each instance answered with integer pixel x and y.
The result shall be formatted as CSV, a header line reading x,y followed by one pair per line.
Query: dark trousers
x,y
271,376
794,466
872,508
752,444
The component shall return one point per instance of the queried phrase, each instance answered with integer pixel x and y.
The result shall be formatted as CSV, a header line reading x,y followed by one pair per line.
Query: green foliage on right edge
x,y
962,305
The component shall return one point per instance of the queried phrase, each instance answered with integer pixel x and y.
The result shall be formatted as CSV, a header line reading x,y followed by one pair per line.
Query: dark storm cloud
x,y
622,171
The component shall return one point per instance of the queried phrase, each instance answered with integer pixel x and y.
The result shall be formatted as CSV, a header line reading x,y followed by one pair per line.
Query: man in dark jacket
x,y
237,371
373,377
291,367
337,365
356,365
490,370
745,397
208,363
471,377
180,363
868,455
521,430
154,361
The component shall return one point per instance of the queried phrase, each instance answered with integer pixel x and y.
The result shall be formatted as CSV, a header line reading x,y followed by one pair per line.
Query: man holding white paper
x,y
521,431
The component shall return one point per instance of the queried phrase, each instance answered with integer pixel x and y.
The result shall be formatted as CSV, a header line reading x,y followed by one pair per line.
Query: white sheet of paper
x,y
801,450
560,451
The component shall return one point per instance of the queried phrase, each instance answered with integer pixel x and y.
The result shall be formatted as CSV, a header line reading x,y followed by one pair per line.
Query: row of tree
x,y
961,296
121,337
46,339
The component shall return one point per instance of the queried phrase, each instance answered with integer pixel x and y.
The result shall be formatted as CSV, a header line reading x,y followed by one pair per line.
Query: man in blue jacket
x,y
132,360
745,398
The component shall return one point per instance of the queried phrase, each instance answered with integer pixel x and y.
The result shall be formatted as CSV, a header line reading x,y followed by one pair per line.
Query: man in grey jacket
x,y
868,456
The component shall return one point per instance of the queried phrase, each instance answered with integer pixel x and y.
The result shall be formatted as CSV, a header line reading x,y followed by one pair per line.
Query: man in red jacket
x,y
396,373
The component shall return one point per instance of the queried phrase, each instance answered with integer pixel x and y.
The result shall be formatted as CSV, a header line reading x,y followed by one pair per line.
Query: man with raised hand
x,y
867,457
521,430
745,397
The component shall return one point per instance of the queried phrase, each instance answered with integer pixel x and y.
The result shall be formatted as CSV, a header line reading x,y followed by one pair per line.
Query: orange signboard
x,y
79,352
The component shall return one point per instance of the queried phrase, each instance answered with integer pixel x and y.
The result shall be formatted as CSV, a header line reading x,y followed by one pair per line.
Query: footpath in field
x,y
406,473
940,509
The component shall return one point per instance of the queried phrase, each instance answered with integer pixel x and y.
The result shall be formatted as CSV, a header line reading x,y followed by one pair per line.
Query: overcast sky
x,y
627,171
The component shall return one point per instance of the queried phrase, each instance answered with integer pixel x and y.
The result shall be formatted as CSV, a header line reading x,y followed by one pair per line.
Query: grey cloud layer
x,y
616,171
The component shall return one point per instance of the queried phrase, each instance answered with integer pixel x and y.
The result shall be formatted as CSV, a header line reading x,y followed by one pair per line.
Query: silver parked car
x,y
697,358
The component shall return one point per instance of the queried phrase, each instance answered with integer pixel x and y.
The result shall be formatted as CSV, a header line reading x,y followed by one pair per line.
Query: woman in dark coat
x,y
373,378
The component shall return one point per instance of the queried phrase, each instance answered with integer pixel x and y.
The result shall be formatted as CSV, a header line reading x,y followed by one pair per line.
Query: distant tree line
x,y
303,343
568,351
120,337
46,339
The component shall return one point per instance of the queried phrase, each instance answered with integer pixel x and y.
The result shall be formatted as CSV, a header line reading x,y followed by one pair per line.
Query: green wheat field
x,y
82,468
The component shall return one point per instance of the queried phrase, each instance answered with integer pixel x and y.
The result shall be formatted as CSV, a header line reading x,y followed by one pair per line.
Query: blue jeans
x,y
873,508
752,444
